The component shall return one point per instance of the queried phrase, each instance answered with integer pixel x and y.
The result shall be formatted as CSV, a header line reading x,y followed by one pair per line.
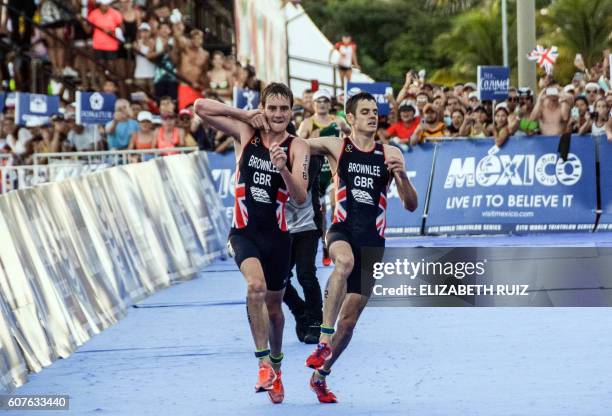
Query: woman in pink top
x,y
105,21
169,135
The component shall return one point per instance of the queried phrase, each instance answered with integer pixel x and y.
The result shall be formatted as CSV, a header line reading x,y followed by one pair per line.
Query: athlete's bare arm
x,y
232,121
330,146
396,165
305,128
297,179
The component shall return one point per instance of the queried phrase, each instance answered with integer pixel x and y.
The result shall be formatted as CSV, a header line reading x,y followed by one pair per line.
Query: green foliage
x,y
393,36
450,38
579,26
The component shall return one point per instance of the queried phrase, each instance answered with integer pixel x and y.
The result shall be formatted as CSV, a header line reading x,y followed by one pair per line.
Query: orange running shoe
x,y
266,377
277,393
317,358
320,388
326,259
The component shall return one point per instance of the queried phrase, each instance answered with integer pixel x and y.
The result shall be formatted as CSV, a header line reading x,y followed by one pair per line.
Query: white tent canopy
x,y
309,54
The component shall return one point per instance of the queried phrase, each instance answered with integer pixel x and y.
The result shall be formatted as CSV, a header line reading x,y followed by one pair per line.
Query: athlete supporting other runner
x,y
271,167
363,171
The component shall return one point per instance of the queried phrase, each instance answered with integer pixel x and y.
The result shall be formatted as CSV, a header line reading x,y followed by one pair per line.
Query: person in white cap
x,y
145,137
145,68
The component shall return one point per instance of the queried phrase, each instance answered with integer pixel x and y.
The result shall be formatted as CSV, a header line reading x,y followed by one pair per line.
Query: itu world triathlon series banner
x,y
522,187
400,222
605,184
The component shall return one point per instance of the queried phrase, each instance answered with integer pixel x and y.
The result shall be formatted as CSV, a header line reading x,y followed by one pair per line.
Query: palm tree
x,y
451,6
580,26
474,39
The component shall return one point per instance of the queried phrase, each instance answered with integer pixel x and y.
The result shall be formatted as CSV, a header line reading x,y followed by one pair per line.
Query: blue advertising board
x,y
246,99
2,101
379,90
94,107
605,184
523,187
493,82
35,109
223,169
400,222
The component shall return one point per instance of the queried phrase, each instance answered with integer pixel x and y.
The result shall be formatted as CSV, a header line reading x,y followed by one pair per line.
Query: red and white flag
x,y
544,57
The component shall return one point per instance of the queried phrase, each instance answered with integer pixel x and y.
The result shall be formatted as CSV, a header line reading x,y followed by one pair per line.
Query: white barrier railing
x,y
20,177
75,254
108,157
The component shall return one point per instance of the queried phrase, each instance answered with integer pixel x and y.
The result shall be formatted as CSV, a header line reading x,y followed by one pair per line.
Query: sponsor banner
x,y
400,222
94,107
35,109
223,169
2,101
246,99
493,82
488,276
379,90
605,184
523,187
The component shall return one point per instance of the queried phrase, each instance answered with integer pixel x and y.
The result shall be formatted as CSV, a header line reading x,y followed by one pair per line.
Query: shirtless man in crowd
x,y
552,111
193,66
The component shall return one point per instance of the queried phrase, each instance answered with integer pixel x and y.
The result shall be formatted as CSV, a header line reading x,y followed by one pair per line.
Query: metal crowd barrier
x,y
108,157
76,254
20,177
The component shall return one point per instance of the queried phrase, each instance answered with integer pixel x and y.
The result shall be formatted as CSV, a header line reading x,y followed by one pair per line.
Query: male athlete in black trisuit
x,y
272,166
363,171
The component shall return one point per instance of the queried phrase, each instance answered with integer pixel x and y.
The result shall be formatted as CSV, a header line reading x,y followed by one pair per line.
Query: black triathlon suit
x,y
259,228
361,181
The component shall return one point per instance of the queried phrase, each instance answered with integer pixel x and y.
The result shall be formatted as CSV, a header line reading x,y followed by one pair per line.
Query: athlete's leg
x,y
335,291
256,301
274,302
349,314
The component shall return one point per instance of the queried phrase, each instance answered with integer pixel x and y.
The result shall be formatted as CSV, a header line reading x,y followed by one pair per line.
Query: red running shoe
x,y
317,359
326,259
277,393
266,377
321,390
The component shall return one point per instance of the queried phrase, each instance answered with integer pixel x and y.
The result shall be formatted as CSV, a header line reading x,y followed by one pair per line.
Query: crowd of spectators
x,y
157,65
143,51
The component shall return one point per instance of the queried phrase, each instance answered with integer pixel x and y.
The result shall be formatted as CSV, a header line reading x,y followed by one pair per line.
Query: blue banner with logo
x,y
419,163
605,184
2,101
493,82
94,107
35,109
522,187
379,90
223,167
246,99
